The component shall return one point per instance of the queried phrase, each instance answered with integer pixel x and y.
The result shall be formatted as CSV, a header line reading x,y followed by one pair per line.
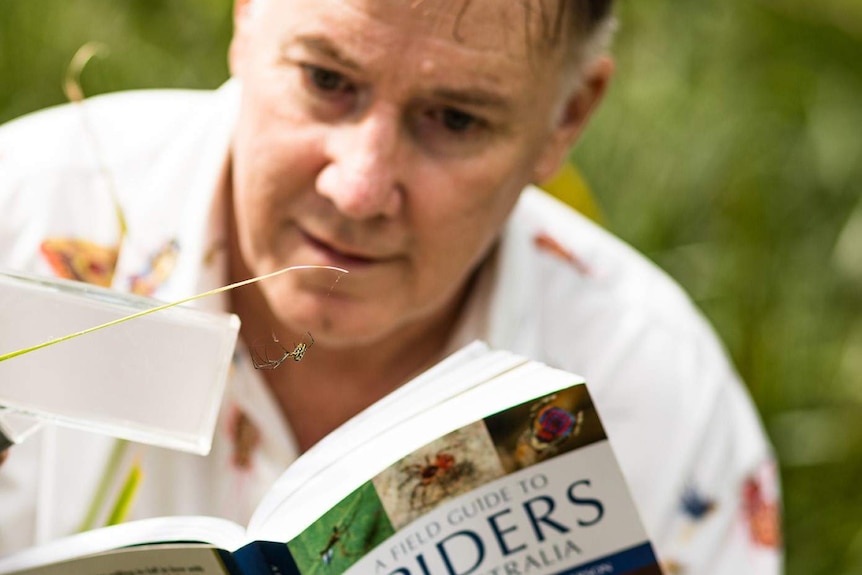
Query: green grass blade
x,y
127,495
112,323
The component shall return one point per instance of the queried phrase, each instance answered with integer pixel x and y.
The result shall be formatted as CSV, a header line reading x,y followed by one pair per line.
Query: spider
x,y
264,362
329,549
343,539
442,471
549,427
552,425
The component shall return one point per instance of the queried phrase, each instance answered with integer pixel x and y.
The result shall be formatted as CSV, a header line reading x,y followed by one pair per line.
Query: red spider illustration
x,y
440,473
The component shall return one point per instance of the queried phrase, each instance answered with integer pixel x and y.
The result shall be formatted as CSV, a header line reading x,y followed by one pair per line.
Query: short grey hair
x,y
587,25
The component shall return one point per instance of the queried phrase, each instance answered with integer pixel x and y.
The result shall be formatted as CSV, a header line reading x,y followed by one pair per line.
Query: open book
x,y
486,464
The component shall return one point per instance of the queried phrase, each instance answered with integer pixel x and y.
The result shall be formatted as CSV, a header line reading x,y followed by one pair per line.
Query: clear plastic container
x,y
156,379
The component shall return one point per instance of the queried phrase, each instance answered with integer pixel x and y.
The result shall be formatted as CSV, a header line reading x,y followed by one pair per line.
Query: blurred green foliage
x,y
729,150
152,44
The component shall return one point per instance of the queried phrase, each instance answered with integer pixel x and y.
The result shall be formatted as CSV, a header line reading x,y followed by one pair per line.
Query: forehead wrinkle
x,y
491,75
513,30
497,25
481,68
347,40
486,81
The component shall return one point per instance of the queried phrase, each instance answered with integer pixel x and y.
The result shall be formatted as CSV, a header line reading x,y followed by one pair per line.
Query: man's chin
x,y
337,325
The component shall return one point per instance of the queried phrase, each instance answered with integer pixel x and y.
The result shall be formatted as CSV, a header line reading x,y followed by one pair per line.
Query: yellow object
x,y
569,186
127,495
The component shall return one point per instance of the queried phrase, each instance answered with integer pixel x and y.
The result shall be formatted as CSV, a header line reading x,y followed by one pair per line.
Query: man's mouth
x,y
337,256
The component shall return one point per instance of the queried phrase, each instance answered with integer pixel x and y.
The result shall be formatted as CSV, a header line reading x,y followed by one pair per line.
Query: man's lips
x,y
338,256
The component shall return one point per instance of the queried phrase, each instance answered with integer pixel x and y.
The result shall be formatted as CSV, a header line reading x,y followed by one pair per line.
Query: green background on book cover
x,y
343,535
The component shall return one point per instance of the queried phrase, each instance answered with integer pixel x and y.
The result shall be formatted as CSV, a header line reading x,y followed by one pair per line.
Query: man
x,y
397,139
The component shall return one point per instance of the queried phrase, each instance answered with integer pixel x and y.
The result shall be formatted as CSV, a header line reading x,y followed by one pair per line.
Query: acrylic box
x,y
157,379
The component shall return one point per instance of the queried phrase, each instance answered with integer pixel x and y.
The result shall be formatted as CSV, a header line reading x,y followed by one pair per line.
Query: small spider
x,y
329,549
342,539
552,425
264,362
549,427
438,474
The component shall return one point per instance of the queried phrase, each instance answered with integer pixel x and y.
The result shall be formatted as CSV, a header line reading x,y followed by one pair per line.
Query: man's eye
x,y
456,120
326,80
448,130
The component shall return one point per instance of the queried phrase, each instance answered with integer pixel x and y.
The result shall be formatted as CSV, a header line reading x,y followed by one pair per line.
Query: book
x,y
114,381
488,463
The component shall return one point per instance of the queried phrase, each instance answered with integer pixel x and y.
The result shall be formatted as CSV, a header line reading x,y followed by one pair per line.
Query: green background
x,y
729,151
362,525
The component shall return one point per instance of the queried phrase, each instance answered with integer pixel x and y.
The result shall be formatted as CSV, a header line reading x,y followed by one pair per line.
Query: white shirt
x,y
558,289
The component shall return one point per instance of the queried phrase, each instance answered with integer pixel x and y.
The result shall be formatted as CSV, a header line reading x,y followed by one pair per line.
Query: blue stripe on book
x,y
618,563
265,558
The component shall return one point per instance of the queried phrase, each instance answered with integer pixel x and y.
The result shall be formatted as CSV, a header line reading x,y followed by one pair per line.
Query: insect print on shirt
x,y
547,243
75,258
157,270
762,513
671,567
80,260
695,505
245,438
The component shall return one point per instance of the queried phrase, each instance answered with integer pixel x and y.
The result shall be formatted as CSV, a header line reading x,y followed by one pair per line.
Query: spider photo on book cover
x,y
441,470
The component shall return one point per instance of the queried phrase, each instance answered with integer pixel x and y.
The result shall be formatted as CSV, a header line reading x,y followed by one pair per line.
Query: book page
x,y
221,533
145,560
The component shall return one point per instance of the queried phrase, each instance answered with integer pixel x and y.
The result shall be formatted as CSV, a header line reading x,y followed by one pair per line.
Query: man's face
x,y
388,137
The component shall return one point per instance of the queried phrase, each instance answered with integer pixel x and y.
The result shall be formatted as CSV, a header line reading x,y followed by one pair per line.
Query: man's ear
x,y
575,112
238,44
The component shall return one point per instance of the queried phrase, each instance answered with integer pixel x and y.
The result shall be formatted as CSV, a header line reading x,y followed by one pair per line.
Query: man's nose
x,y
363,170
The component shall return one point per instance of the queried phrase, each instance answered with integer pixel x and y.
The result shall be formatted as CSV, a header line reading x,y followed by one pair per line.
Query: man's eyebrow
x,y
474,97
323,47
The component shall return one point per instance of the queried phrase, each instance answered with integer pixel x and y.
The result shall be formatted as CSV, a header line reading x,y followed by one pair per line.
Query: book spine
x,y
265,558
